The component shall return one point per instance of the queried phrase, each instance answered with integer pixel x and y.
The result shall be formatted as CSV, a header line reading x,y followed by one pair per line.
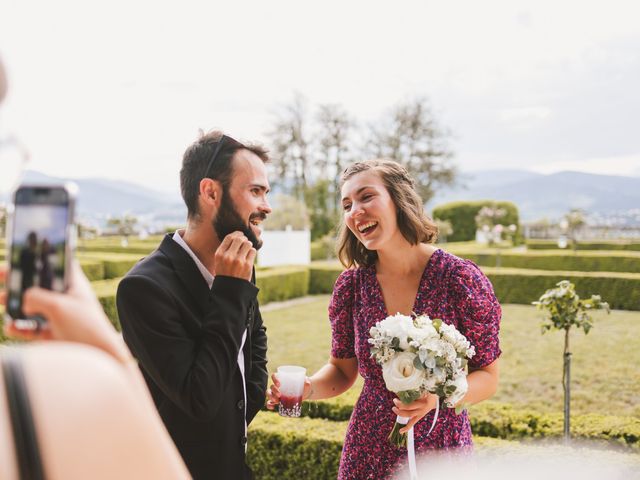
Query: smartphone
x,y
41,240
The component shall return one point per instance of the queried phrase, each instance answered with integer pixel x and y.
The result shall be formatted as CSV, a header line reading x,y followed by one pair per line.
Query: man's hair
x,y
413,223
197,157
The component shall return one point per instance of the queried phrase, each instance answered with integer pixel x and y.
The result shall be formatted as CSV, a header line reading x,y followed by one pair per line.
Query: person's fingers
x,y
11,331
38,301
251,255
410,407
410,424
274,392
244,248
275,380
231,242
3,297
78,282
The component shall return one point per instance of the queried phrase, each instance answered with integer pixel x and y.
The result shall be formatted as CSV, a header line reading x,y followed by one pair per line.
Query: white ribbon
x,y
411,451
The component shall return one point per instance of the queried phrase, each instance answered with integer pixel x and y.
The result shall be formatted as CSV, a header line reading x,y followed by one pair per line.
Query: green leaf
x,y
460,407
409,396
417,363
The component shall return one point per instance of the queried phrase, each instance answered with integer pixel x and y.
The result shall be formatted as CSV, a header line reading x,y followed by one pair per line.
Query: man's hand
x,y
235,256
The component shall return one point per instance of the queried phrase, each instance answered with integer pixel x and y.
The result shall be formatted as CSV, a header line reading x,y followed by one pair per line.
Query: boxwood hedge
x,y
275,284
502,420
311,447
586,261
587,245
462,216
621,290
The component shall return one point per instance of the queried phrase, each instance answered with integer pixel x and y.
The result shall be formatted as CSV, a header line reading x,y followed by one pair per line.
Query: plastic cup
x,y
291,380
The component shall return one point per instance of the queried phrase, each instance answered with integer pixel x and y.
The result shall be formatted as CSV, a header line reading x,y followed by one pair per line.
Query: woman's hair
x,y
414,225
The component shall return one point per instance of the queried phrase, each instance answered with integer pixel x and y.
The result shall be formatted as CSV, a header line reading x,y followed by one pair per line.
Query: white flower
x,y
460,382
397,326
423,332
400,374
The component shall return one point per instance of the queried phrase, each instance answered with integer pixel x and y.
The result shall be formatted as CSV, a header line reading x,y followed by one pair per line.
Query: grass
x,y
604,366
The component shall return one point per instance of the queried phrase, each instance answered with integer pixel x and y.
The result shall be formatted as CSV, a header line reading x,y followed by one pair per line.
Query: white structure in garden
x,y
285,247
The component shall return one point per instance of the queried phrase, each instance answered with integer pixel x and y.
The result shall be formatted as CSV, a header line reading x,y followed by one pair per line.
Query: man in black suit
x,y
189,311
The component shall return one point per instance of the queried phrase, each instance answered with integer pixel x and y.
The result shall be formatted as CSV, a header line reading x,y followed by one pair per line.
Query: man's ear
x,y
210,194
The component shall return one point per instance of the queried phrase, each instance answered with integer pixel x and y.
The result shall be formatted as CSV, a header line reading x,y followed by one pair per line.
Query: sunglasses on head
x,y
224,139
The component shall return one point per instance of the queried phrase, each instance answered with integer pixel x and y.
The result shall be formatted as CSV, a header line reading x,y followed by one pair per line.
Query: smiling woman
x,y
386,244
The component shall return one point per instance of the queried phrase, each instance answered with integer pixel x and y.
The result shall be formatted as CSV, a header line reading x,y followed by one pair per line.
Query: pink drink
x,y
291,380
290,406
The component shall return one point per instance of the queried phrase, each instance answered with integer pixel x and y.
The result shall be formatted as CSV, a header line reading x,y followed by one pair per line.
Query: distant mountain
x,y
539,196
100,198
536,195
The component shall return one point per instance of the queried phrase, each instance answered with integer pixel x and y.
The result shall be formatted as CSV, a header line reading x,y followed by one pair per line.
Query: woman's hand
x,y
415,410
74,316
273,392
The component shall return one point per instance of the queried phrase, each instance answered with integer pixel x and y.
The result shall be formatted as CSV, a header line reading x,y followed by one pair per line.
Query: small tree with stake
x,y
564,309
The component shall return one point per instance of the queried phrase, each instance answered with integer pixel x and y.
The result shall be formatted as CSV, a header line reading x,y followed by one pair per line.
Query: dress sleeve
x,y
478,312
340,308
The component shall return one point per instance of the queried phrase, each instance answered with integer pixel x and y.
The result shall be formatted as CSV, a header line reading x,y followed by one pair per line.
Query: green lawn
x,y
604,373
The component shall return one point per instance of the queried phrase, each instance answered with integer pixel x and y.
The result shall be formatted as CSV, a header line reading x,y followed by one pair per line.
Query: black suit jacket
x,y
187,339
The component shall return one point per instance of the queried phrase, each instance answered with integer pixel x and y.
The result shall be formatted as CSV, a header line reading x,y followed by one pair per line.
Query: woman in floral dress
x,y
385,242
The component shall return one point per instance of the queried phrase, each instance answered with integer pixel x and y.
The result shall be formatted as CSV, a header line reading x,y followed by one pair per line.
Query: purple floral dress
x,y
452,289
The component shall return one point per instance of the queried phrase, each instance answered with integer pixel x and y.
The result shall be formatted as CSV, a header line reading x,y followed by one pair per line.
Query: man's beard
x,y
228,220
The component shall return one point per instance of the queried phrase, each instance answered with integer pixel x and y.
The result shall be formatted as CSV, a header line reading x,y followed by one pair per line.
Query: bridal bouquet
x,y
420,355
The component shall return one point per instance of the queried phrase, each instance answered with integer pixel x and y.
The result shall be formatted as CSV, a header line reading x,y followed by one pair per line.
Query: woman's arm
x,y
483,383
336,377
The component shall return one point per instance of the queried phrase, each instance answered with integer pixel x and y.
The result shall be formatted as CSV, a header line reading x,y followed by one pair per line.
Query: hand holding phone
x,y
40,240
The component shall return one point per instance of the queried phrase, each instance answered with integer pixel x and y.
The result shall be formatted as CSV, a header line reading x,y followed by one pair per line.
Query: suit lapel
x,y
187,271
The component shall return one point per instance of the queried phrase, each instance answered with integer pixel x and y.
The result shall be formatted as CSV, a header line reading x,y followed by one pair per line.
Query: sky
x,y
119,89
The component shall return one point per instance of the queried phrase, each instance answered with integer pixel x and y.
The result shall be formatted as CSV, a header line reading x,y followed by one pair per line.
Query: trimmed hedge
x,y
282,284
505,421
492,419
559,260
620,290
275,285
93,269
115,264
310,448
603,245
106,292
142,249
281,448
322,277
462,216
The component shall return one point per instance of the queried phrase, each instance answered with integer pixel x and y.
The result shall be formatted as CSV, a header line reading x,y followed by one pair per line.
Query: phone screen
x,y
38,244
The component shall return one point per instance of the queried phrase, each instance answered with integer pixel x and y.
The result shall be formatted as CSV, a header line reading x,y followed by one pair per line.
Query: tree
x,y
573,221
489,220
335,127
411,136
564,309
288,212
291,146
445,229
123,226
